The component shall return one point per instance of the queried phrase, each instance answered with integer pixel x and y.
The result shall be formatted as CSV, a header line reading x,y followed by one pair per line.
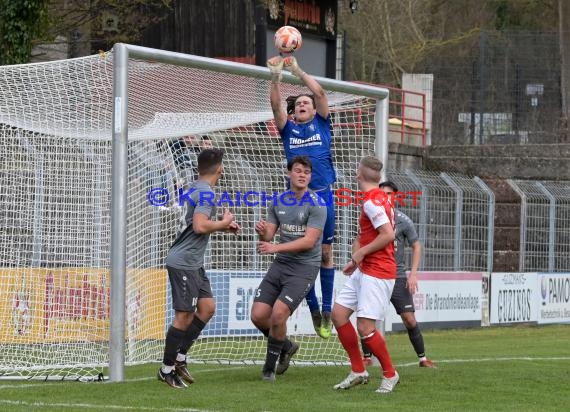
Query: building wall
x,y
210,28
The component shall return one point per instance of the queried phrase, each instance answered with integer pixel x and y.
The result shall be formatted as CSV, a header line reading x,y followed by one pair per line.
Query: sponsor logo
x,y
514,305
558,289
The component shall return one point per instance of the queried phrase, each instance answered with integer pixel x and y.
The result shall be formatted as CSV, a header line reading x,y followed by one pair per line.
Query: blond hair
x,y
371,168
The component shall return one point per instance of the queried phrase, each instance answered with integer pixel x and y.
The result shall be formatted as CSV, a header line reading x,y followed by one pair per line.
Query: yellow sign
x,y
73,304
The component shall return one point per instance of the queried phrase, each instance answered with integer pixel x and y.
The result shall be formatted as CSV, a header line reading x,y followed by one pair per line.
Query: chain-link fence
x,y
545,225
454,217
497,88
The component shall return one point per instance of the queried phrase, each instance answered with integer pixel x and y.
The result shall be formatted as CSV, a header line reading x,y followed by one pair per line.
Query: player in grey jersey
x,y
292,274
192,297
406,285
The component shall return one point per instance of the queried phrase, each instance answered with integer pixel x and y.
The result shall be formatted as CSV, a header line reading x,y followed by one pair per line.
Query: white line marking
x,y
25,385
506,359
92,406
142,408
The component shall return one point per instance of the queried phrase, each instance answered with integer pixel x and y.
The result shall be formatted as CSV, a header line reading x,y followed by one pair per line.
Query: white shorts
x,y
368,296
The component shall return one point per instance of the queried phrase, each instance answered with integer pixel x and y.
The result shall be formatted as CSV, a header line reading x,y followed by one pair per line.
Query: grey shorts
x,y
287,281
402,299
187,287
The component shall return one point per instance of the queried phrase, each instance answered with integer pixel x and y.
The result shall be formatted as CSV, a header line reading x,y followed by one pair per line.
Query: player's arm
x,y
313,231
385,235
412,282
385,231
356,244
265,230
275,65
321,99
307,242
202,224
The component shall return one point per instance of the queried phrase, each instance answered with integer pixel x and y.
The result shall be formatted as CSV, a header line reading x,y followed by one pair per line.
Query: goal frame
x,y
121,54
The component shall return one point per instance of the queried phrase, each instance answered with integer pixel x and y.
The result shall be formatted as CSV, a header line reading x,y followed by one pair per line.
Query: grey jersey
x,y
405,235
187,251
293,220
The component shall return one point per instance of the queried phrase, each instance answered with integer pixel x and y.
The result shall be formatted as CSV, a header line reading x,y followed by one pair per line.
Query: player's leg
x,y
403,302
296,282
416,338
205,309
265,296
261,313
313,303
327,271
276,339
184,300
366,353
345,304
374,298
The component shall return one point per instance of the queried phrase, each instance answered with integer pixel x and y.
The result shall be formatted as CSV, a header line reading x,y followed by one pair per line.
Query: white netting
x,y
55,184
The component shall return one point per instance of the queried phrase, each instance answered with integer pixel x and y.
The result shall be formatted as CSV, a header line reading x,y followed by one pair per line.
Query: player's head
x,y
210,162
299,170
388,187
369,171
302,107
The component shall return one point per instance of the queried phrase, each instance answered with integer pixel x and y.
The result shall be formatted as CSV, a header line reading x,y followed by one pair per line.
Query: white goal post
x,y
83,144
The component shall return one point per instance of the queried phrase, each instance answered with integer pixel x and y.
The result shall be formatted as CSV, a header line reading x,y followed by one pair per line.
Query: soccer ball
x,y
288,39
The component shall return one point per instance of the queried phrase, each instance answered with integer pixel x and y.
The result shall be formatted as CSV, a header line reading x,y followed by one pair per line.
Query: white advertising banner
x,y
444,300
242,287
554,299
514,298
241,293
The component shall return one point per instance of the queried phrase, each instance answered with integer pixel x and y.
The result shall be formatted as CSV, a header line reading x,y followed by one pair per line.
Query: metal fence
x,y
454,217
500,87
545,225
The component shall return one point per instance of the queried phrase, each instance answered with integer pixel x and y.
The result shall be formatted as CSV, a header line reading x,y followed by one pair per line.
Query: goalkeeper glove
x,y
275,65
291,64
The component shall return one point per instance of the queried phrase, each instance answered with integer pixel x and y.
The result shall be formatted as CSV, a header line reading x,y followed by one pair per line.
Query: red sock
x,y
349,339
377,346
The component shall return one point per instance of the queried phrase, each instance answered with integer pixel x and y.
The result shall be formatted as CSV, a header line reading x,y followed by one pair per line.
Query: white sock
x,y
166,369
423,358
181,357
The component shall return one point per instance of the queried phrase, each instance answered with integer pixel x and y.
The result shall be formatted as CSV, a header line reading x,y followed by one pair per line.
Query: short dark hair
x,y
209,160
390,184
302,160
292,99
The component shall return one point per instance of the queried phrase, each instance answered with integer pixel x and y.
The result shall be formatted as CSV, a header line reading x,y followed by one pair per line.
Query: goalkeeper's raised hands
x,y
275,65
290,63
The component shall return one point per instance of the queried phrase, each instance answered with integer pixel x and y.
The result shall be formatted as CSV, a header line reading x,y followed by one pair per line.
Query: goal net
x,y
55,209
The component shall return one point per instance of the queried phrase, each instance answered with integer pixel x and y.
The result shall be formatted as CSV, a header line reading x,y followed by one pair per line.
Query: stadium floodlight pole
x,y
121,54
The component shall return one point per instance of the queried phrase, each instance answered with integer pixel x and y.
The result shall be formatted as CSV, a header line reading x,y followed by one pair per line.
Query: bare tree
x,y
82,22
389,37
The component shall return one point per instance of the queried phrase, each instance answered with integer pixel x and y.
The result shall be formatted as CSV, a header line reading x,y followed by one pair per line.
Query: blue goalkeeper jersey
x,y
312,139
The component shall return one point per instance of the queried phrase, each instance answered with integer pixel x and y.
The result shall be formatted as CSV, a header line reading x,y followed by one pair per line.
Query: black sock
x,y
265,332
417,340
286,345
365,351
172,343
274,347
191,334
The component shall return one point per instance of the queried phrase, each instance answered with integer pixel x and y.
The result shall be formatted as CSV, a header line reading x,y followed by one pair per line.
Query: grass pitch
x,y
521,368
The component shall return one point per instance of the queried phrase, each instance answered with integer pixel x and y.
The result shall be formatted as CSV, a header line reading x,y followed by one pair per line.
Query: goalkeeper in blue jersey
x,y
308,133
